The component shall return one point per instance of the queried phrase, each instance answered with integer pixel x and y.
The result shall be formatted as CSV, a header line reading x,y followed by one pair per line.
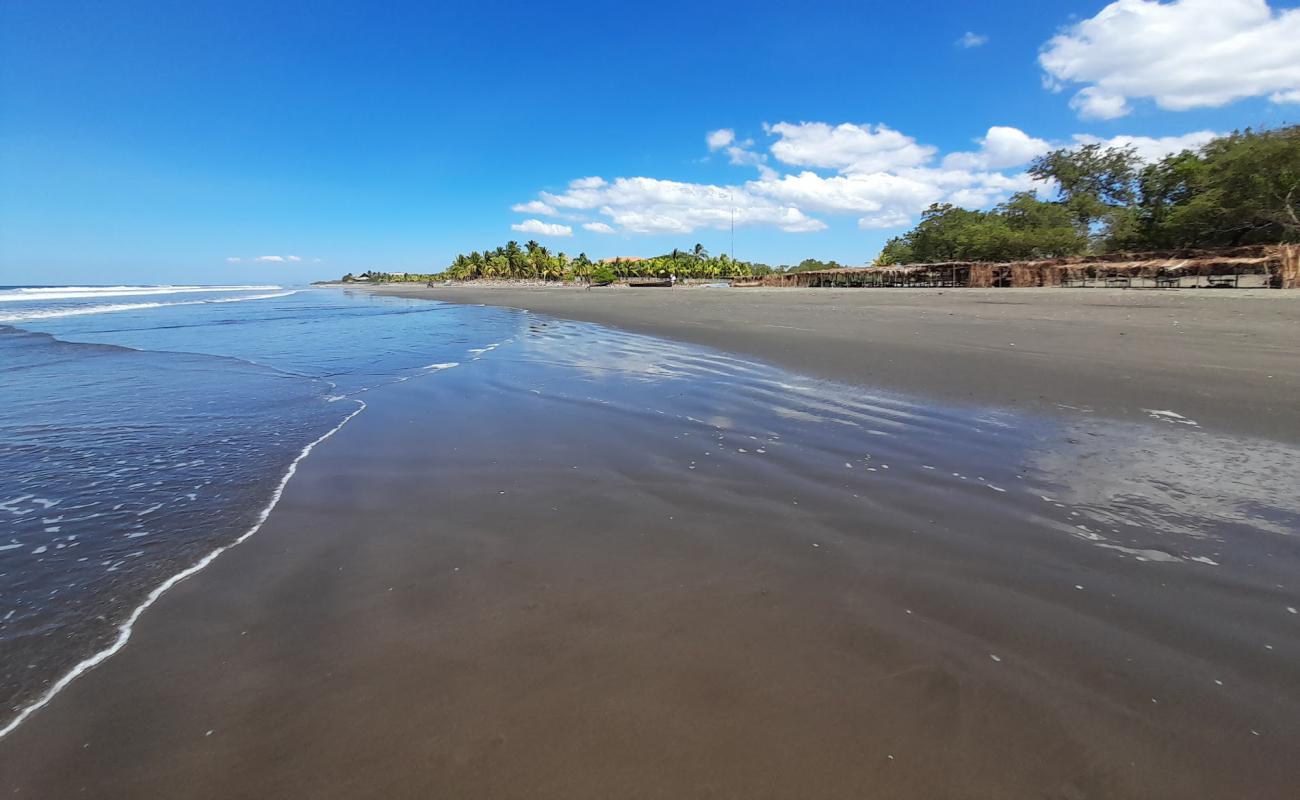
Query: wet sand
x,y
588,566
1227,358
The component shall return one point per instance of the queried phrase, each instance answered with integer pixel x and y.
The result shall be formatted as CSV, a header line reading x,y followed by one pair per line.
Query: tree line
x,y
1239,189
533,261
536,262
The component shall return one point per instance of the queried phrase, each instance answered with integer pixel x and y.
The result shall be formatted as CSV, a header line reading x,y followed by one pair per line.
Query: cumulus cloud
x,y
1183,54
534,207
1095,102
886,220
741,155
846,194
1000,148
536,226
846,147
880,176
971,39
720,138
652,205
1152,148
738,151
265,259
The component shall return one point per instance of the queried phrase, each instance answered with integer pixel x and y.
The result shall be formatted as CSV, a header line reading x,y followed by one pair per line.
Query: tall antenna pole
x,y
730,198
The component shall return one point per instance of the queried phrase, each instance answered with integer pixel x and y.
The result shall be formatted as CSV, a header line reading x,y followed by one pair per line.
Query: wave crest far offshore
x,y
41,293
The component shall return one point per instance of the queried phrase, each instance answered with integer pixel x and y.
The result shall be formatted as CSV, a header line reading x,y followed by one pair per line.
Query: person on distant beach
x,y
672,280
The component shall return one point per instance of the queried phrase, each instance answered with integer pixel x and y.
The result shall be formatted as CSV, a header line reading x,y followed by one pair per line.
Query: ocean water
x,y
143,427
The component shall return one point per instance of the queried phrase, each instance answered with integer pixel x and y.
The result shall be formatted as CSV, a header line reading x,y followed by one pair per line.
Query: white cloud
x,y
1183,54
536,226
971,39
848,194
534,207
880,176
889,219
1149,148
652,205
265,259
1001,147
738,152
1095,102
720,138
846,147
741,155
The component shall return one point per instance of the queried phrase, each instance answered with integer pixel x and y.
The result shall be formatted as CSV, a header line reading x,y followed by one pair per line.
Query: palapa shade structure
x,y
1279,266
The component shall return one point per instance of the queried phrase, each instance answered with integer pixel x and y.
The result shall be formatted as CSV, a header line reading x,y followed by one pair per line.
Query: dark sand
x,y
1230,359
443,606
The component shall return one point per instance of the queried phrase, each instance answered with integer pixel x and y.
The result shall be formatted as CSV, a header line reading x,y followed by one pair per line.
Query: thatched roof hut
x,y
1279,266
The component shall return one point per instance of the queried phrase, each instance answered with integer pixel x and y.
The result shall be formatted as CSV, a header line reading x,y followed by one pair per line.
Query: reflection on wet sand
x,y
583,563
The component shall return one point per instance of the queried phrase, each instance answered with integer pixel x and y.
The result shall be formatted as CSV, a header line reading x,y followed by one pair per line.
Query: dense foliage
x,y
535,262
1024,227
1238,189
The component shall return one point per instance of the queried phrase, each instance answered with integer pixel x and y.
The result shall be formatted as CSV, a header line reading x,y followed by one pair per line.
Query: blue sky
x,y
170,142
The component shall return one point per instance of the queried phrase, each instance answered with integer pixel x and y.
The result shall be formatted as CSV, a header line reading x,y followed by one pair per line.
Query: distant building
x,y
621,259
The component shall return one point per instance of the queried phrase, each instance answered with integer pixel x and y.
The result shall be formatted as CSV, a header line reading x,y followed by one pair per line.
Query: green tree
x,y
1092,180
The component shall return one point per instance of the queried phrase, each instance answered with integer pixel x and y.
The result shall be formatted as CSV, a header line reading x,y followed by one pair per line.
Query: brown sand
x,y
443,606
1230,359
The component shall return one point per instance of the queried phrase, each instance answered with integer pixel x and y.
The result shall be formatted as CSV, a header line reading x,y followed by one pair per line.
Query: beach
x,y
1229,357
751,543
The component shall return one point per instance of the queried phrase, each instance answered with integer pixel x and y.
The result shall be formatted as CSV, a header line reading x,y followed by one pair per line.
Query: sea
x,y
144,427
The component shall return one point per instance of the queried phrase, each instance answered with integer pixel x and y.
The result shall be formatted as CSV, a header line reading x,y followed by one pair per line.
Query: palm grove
x,y
534,261
1239,189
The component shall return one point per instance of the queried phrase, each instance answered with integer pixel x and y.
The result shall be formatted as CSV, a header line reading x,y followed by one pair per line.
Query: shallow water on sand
x,y
141,427
135,441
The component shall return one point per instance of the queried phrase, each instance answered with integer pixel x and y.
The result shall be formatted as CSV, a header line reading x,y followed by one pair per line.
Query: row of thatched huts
x,y
1276,266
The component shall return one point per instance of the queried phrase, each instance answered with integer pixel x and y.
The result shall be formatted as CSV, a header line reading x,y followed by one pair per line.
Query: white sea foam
x,y
32,294
1143,554
109,308
1164,415
124,630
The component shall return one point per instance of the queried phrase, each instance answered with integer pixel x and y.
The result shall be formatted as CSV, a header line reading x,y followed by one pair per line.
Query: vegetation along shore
x,y
1240,189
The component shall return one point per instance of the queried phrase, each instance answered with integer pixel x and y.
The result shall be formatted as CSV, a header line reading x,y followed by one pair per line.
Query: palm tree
x,y
514,258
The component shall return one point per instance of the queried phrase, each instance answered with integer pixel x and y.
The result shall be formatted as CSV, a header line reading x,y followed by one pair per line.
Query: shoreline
x,y
593,569
1226,360
128,625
